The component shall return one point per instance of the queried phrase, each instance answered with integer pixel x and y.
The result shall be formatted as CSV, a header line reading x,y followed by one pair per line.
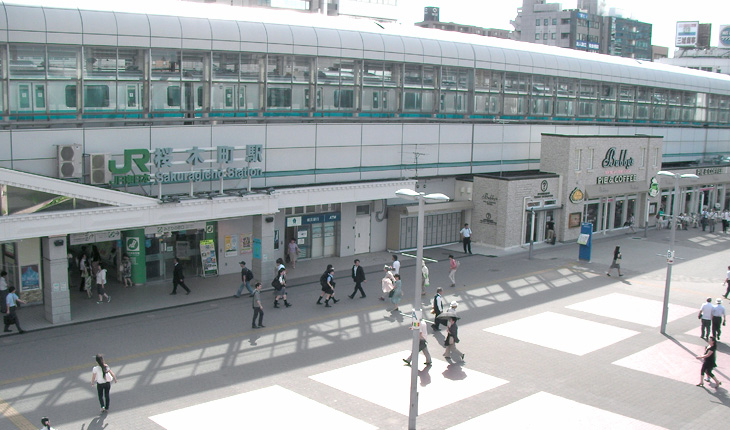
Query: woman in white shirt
x,y
102,376
100,284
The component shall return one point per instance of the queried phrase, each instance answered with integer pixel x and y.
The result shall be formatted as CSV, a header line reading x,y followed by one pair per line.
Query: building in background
x,y
659,52
693,50
431,20
583,29
381,10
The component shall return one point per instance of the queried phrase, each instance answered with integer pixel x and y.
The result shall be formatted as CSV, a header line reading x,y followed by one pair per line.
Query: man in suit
x,y
358,275
438,307
178,278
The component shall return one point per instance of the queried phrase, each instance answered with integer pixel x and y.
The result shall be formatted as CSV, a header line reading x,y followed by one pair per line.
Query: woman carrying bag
x,y
102,376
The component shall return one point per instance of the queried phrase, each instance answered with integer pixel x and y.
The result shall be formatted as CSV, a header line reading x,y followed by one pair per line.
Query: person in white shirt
x,y
705,316
466,238
3,290
102,376
422,344
100,284
727,282
718,317
395,265
46,424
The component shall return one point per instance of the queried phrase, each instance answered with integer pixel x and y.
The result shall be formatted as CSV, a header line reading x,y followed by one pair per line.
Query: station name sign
x,y
164,158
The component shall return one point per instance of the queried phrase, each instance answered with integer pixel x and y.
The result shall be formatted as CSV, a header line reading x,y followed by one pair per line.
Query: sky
x,y
662,14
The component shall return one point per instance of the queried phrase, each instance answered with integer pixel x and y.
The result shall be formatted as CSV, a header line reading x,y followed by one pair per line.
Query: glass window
x,y
542,86
541,106
566,87
552,36
27,61
225,66
100,62
544,36
193,65
515,105
555,21
587,108
173,95
643,94
515,83
608,92
278,98
413,76
627,93
545,21
165,63
588,89
564,107
95,96
453,78
302,69
429,76
626,110
344,98
537,22
279,68
373,73
251,65
412,100
689,98
130,63
62,62
537,36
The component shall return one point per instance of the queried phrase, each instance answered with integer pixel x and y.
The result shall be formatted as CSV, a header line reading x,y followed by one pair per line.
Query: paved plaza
x,y
549,341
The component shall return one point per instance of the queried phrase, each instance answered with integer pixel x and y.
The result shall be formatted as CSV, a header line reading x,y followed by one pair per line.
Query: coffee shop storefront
x,y
604,180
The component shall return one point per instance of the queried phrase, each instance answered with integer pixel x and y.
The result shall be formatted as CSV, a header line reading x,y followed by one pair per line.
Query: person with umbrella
x,y
452,338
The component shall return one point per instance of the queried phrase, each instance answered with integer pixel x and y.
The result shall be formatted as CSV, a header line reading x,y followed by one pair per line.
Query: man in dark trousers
x,y
178,278
438,307
258,308
358,275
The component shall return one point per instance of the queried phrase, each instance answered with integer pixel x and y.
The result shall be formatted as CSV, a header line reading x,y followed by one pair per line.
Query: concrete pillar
x,y
262,261
57,302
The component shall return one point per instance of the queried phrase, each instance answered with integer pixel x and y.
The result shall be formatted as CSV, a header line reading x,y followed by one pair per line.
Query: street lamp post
x,y
672,235
422,199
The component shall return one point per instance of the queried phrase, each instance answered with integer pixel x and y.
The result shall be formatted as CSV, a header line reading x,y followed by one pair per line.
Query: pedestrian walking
x,y
101,285
616,263
84,269
388,282
293,252
718,318
258,308
422,344
452,307
279,265
630,223
452,338
279,284
705,317
3,290
329,288
438,308
395,265
727,282
11,306
709,362
466,238
453,267
396,294
46,424
246,277
102,376
127,271
178,278
358,275
425,282
323,283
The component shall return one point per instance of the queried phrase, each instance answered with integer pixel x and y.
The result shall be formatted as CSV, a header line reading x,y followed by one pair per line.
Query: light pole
x,y
422,199
672,234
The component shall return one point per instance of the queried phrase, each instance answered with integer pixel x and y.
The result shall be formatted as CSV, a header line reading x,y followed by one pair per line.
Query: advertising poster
x,y
30,278
208,257
246,243
231,245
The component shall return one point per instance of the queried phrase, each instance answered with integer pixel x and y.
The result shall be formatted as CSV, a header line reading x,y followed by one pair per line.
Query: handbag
x,y
9,319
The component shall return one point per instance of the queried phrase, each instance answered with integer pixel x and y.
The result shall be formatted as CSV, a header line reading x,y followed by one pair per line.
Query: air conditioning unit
x,y
97,167
69,161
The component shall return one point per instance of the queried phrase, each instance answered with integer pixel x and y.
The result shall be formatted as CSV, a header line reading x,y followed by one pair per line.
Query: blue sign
x,y
315,219
586,233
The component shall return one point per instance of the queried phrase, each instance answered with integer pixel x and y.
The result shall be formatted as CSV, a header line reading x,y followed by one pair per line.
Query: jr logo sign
x,y
140,157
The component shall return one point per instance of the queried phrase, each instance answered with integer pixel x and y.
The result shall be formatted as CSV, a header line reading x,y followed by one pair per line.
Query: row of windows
x,y
45,80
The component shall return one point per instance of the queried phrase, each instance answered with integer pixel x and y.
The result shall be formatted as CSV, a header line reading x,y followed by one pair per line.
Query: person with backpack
x,y
328,287
246,278
279,284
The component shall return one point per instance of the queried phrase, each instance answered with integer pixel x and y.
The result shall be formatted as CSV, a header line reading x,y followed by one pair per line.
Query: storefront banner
x,y
93,237
30,278
312,219
208,257
160,229
257,248
231,245
246,243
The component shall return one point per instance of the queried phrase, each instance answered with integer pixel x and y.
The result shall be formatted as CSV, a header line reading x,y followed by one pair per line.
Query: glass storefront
x,y
316,234
161,250
609,213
